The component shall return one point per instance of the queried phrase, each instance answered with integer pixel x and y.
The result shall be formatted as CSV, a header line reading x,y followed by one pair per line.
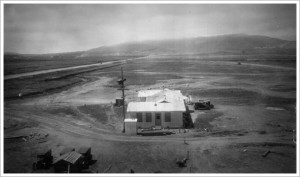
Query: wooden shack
x,y
70,162
44,160
86,156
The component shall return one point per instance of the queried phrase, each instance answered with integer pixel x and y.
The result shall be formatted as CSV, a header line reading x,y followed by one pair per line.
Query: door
x,y
157,119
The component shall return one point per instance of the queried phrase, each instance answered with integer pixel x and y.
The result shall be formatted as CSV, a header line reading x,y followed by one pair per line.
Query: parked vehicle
x,y
203,105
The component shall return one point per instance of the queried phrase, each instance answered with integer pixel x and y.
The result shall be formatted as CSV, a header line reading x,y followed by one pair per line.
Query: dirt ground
x,y
255,112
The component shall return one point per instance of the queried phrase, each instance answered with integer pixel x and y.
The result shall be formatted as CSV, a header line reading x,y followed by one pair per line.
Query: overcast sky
x,y
51,28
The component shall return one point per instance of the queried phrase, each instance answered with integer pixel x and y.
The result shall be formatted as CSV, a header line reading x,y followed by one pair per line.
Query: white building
x,y
158,108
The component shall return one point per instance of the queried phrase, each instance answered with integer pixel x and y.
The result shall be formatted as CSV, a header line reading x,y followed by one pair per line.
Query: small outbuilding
x,y
70,162
130,126
44,161
86,155
119,102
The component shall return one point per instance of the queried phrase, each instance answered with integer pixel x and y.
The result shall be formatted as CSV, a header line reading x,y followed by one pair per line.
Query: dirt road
x,y
15,76
265,66
208,154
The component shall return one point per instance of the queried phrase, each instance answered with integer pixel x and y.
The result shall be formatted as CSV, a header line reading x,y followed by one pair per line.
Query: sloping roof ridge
x,y
61,157
70,157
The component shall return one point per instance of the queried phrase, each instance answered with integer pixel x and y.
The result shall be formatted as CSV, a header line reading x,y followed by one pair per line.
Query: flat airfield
x,y
255,112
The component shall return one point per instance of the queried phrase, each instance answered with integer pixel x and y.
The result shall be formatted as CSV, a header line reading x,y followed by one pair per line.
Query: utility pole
x,y
121,83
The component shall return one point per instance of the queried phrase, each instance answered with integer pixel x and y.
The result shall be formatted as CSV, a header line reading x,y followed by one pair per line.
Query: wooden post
x,y
123,97
121,83
68,167
191,161
185,142
188,155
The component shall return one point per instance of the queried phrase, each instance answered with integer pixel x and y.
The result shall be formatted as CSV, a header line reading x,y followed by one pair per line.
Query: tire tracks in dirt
x,y
57,124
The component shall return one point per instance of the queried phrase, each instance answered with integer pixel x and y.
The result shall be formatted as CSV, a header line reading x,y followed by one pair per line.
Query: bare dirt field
x,y
255,112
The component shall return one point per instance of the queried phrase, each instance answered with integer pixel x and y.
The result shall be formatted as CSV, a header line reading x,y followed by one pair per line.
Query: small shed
x,y
85,151
119,102
130,126
44,154
44,160
70,162
86,155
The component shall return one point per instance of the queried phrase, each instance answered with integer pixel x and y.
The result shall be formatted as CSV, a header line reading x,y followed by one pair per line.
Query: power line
x,y
121,83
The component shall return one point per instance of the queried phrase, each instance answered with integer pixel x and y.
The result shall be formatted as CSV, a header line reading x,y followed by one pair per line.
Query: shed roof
x,y
66,150
155,107
70,157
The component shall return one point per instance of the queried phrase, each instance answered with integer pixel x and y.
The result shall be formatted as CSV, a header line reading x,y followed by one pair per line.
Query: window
x,y
167,117
148,117
139,117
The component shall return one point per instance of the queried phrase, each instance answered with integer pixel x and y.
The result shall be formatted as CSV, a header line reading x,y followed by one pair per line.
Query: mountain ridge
x,y
197,45
228,43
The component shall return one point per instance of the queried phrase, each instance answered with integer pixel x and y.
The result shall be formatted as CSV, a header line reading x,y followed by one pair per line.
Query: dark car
x,y
203,105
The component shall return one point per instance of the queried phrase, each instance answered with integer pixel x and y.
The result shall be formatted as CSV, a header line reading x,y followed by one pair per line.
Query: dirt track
x,y
104,64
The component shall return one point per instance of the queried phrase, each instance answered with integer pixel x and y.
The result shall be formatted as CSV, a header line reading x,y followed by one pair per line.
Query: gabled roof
x,y
66,150
158,101
158,97
164,95
147,93
155,107
70,157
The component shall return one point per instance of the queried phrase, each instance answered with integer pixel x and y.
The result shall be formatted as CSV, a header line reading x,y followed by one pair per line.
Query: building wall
x,y
144,124
176,120
62,166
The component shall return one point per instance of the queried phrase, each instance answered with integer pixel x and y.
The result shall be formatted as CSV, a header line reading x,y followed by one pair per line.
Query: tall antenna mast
x,y
121,83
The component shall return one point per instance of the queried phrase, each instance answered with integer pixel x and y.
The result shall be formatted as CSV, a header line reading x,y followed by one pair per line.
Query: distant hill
x,y
221,44
234,43
11,53
215,45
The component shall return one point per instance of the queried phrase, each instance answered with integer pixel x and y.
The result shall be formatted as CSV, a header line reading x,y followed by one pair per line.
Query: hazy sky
x,y
50,28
